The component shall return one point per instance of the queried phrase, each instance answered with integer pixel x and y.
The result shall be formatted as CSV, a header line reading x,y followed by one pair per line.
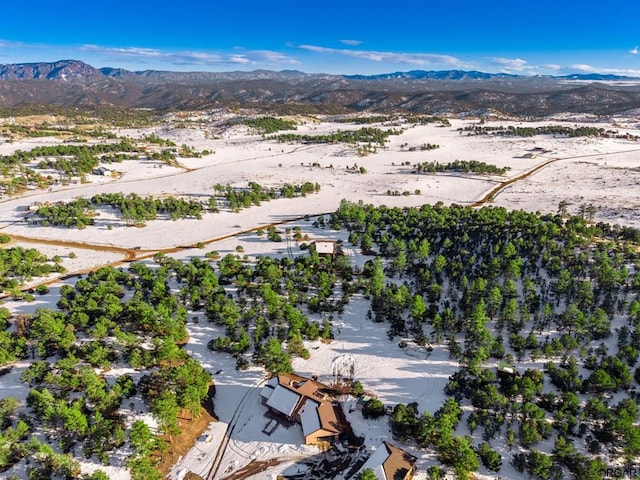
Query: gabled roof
x,y
328,418
390,462
266,391
375,462
316,416
309,417
304,399
399,463
284,400
285,392
302,385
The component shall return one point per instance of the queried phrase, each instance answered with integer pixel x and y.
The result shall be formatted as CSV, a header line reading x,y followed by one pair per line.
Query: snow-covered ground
x,y
599,171
395,375
605,172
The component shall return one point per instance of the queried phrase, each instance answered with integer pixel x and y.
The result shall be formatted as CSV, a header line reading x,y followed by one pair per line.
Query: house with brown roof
x,y
389,462
306,402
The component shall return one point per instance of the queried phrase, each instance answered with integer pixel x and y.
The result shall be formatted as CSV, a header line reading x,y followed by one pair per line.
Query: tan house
x,y
327,248
304,401
389,462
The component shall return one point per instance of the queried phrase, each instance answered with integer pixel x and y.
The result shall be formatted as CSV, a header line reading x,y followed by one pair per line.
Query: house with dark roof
x,y
306,402
389,462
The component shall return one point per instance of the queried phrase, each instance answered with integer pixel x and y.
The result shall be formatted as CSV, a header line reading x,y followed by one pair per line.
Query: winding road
x,y
222,448
491,194
136,254
133,254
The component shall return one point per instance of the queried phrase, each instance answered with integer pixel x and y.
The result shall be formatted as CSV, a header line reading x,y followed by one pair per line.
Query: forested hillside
x,y
558,293
553,298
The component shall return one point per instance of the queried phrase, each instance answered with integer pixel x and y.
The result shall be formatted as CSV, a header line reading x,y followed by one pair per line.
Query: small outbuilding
x,y
327,248
103,171
507,371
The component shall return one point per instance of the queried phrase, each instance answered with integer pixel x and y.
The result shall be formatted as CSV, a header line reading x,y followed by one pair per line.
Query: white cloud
x,y
551,66
629,72
510,64
581,67
241,59
274,57
353,43
418,59
634,51
145,55
126,52
10,44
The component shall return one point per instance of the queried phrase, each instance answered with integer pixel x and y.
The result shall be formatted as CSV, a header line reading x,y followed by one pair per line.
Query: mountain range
x,y
75,83
76,69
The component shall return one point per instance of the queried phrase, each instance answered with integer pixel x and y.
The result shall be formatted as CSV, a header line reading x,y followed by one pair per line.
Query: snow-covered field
x,y
604,172
599,171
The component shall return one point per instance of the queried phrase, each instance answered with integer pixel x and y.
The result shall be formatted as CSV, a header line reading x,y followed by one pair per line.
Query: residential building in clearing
x,y
389,462
306,402
326,247
103,171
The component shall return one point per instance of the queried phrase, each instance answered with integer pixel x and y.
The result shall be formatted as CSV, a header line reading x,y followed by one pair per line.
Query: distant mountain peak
x,y
115,72
60,70
74,83
434,75
595,77
79,70
476,75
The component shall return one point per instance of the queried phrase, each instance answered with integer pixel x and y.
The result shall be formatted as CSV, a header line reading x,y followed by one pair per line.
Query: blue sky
x,y
341,37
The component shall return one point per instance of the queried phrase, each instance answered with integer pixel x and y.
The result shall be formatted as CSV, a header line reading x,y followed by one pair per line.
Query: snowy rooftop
x,y
376,461
309,417
283,400
266,391
389,462
325,246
